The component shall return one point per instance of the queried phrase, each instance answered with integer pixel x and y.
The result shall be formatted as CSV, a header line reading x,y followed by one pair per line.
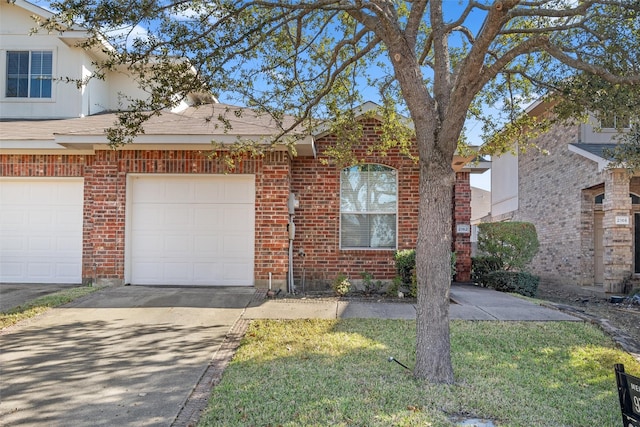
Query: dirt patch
x,y
622,320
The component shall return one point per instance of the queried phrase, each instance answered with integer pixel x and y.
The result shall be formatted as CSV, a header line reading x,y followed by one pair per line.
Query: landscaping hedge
x,y
483,265
518,282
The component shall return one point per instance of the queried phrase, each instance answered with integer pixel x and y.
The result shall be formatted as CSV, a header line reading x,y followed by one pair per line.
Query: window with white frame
x,y
29,74
614,121
368,207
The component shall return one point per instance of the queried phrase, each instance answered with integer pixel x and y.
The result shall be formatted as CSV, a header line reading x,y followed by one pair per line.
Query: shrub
x,y
453,265
413,287
481,266
518,282
406,269
369,287
341,285
394,288
405,264
513,243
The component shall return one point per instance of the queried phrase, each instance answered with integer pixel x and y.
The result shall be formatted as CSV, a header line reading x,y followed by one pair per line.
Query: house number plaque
x,y
463,228
622,220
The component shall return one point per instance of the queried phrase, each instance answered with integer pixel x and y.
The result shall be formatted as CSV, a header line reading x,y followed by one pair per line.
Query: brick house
x,y
587,215
164,210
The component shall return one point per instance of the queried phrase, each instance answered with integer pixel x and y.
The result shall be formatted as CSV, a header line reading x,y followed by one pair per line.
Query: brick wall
x,y
554,195
105,200
316,183
272,218
462,216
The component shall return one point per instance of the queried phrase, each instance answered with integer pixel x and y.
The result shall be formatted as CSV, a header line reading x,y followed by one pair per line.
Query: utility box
x,y
293,203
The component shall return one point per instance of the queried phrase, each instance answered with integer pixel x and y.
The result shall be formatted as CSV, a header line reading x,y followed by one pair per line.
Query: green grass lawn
x,y
42,304
336,373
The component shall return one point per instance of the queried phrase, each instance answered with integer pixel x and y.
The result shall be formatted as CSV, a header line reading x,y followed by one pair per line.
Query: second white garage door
x,y
41,230
191,230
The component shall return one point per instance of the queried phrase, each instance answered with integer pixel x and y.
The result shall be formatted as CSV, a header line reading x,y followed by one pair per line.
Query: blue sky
x,y
473,128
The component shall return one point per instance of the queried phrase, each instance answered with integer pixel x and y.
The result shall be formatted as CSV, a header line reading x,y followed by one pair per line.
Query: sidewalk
x,y
468,302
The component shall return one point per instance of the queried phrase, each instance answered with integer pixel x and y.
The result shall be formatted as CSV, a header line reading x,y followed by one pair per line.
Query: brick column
x,y
462,216
272,217
618,236
103,247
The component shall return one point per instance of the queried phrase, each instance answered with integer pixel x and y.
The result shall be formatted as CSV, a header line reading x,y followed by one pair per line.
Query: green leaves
x,y
513,243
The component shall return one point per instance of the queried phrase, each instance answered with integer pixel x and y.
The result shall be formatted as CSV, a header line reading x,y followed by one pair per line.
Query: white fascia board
x,y
305,146
602,163
30,144
36,10
533,105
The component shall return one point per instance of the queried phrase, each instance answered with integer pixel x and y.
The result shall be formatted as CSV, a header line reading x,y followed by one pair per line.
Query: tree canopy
x,y
439,62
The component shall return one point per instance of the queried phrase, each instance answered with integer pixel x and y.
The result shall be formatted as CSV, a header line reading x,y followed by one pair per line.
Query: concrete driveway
x,y
126,356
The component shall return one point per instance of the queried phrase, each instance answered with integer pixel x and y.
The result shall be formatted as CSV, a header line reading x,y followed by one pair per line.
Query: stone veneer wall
x,y
551,196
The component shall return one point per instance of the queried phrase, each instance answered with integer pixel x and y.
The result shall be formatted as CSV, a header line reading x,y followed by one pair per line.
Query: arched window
x,y
368,207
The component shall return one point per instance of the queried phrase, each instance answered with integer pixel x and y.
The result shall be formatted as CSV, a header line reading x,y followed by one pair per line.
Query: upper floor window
x,y
614,121
29,74
368,207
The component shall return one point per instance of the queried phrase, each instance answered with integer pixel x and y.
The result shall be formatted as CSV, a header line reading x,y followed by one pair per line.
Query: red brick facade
x,y
316,185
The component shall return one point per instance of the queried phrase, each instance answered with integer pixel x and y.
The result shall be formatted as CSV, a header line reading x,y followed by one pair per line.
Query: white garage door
x,y
191,230
41,230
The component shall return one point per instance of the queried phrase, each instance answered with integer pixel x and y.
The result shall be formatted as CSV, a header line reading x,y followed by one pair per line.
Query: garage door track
x,y
122,356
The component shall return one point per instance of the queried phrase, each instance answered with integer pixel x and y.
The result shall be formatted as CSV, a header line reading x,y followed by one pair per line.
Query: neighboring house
x,y
587,216
480,211
163,210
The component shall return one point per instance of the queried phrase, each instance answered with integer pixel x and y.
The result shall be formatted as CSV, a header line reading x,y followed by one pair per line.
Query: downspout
x,y
292,204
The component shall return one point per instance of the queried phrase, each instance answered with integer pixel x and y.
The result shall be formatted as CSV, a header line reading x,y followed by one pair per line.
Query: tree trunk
x,y
436,145
433,257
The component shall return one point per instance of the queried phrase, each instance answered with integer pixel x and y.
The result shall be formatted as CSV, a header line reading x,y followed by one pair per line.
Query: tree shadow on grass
x,y
337,373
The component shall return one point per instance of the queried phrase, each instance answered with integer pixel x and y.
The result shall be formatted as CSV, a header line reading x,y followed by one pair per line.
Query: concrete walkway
x,y
136,356
468,302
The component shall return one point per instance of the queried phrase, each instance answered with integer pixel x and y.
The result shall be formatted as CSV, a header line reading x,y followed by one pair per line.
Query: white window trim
x,y
3,74
367,248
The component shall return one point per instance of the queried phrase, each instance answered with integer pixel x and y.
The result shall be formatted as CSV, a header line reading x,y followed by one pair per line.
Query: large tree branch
x,y
600,71
416,15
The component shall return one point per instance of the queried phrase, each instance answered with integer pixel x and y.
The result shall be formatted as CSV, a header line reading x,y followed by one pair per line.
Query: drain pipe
x,y
292,204
290,281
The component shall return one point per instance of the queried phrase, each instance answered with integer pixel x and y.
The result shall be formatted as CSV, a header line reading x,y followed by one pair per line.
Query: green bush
x,y
513,243
518,282
341,285
405,264
406,270
483,265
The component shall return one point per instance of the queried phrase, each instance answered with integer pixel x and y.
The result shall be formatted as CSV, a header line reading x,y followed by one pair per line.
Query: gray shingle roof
x,y
595,149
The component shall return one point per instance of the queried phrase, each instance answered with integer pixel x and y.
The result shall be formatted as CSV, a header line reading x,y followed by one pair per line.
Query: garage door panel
x,y
69,270
204,192
236,217
239,192
177,245
236,245
11,244
41,244
207,217
191,230
41,227
208,247
236,272
12,271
